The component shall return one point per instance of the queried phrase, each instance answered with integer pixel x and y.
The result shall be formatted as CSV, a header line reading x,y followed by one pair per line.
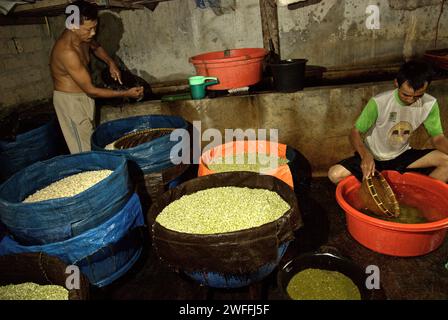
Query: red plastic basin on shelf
x,y
234,68
398,239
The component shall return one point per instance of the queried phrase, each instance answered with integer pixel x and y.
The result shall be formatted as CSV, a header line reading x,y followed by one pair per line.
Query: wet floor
x,y
400,278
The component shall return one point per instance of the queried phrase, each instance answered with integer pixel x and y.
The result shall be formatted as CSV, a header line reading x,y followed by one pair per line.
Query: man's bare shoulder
x,y
63,50
62,47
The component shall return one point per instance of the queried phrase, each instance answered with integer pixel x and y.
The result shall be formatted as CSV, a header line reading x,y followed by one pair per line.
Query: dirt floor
x,y
418,278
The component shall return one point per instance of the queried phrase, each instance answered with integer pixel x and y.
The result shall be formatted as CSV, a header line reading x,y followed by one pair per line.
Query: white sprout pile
x,y
69,186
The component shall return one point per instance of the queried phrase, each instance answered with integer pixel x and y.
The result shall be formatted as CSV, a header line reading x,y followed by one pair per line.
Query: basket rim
x,y
376,198
139,133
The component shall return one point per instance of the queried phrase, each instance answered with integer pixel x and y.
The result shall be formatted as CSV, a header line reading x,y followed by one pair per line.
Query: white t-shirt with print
x,y
396,122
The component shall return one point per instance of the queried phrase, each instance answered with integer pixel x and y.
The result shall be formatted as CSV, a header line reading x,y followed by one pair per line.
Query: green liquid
x,y
408,215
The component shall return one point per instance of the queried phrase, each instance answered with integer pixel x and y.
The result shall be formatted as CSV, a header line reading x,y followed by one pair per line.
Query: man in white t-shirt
x,y
388,121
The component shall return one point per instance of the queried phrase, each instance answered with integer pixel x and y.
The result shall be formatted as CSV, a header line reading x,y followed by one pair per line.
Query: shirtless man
x,y
73,89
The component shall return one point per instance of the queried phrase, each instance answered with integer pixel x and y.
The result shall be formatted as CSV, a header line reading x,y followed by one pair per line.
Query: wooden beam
x,y
361,72
302,4
39,5
269,24
8,21
53,7
146,1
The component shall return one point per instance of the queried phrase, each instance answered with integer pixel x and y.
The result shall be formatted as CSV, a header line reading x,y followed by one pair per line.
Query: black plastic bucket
x,y
289,75
332,261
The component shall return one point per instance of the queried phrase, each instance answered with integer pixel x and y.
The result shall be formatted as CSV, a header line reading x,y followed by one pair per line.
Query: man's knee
x,y
444,160
441,160
443,166
337,172
435,158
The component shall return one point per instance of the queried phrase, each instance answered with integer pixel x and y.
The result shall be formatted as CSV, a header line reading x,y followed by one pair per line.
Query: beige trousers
x,y
75,112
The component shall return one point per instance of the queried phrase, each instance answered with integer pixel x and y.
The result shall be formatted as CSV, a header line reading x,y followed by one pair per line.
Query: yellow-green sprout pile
x,y
223,209
316,284
33,291
246,162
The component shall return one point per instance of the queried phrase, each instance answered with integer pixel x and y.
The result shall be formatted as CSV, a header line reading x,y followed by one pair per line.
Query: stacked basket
x,y
229,259
35,139
97,229
145,142
241,257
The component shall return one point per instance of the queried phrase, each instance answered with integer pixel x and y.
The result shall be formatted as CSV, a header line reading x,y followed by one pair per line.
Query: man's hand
x,y
136,93
115,72
367,165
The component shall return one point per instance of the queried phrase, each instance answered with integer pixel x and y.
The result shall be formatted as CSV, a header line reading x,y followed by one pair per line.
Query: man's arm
x,y
101,54
367,160
357,143
364,122
440,142
81,76
433,126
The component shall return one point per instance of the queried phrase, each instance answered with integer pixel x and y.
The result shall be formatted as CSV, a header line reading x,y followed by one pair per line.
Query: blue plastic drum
x,y
219,280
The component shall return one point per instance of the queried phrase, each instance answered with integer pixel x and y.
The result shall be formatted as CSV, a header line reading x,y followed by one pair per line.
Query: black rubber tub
x,y
326,260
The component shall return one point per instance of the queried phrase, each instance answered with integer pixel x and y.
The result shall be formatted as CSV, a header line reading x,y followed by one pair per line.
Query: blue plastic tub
x,y
103,253
149,157
60,219
219,280
29,147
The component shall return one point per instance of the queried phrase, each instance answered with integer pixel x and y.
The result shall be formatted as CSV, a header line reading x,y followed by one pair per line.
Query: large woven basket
x,y
378,196
142,136
42,269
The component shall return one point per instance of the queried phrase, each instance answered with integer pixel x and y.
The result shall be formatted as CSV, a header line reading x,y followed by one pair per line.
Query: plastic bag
x,y
59,219
103,253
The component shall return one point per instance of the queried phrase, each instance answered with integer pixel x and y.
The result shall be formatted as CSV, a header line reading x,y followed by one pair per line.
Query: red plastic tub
x,y
234,68
397,239
282,172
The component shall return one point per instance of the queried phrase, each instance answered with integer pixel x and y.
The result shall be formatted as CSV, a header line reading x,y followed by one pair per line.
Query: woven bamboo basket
x,y
378,196
134,139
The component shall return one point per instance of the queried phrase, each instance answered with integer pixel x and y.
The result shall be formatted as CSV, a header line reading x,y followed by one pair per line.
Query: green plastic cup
x,y
198,85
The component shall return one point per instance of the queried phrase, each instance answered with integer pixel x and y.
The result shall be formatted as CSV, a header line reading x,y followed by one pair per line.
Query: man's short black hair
x,y
87,10
416,73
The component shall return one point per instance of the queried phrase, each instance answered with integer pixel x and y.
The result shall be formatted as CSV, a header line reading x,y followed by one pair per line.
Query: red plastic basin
x,y
234,68
398,239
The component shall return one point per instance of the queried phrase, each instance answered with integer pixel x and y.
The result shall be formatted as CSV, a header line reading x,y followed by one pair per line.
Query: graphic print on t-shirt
x,y
392,117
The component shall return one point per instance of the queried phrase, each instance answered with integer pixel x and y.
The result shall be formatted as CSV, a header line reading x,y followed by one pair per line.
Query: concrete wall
x,y
24,72
315,121
333,33
157,45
